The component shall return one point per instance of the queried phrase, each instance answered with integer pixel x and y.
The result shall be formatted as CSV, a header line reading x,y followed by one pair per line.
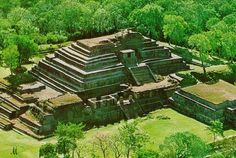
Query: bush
x,y
184,53
75,36
184,144
208,78
212,77
144,153
188,80
39,39
21,78
55,38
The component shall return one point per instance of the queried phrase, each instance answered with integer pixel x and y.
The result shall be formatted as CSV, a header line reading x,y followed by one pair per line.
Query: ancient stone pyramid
x,y
99,65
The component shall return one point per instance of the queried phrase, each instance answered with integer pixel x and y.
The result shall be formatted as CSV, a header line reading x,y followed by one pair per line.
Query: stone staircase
x,y
10,106
5,123
24,128
142,74
152,50
127,110
12,116
75,69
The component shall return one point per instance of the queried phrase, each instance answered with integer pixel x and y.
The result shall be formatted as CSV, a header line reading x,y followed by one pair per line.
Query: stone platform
x,y
94,81
207,102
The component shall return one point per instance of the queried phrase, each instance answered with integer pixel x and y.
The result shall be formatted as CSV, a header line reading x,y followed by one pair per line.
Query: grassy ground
x,y
215,93
156,128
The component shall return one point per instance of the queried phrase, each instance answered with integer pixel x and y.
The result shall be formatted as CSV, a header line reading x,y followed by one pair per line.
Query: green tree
x,y
6,6
10,57
183,145
67,136
101,143
211,22
48,151
115,145
203,45
132,138
73,16
148,20
146,153
216,128
26,47
174,28
66,146
228,42
215,41
102,21
119,10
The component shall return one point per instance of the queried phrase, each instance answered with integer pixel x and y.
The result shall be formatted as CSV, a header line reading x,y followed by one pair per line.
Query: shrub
x,y
184,53
39,39
188,80
55,38
145,153
21,78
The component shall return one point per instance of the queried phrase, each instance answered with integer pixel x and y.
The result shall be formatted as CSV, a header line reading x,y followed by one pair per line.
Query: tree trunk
x,y
78,154
214,137
203,67
128,152
104,154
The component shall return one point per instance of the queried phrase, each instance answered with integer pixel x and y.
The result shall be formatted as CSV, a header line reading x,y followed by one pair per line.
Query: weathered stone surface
x,y
91,64
91,82
207,102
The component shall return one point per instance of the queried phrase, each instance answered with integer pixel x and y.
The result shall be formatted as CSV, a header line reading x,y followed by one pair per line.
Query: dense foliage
x,y
55,21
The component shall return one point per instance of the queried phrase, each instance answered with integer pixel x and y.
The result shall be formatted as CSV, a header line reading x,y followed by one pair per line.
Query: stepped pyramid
x,y
97,66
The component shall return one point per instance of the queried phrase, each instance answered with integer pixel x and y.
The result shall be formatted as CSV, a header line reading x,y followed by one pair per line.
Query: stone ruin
x,y
208,102
95,81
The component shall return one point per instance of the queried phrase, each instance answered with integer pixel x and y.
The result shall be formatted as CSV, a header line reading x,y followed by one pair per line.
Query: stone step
x,y
57,64
59,81
69,60
35,73
98,76
71,56
80,52
24,129
76,52
11,100
105,59
5,123
155,47
65,67
51,82
146,39
150,43
83,73
91,57
29,121
172,60
7,110
108,79
81,49
86,65
142,74
53,69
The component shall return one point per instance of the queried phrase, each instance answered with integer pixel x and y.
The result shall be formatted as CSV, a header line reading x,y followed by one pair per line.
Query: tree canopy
x,y
55,21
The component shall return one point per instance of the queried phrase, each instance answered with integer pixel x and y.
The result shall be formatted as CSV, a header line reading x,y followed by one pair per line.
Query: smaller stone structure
x,y
208,102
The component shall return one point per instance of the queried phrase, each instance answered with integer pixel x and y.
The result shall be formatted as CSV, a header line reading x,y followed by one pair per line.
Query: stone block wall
x,y
192,108
167,66
230,117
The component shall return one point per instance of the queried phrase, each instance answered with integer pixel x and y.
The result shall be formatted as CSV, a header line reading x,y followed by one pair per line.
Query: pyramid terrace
x,y
95,81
